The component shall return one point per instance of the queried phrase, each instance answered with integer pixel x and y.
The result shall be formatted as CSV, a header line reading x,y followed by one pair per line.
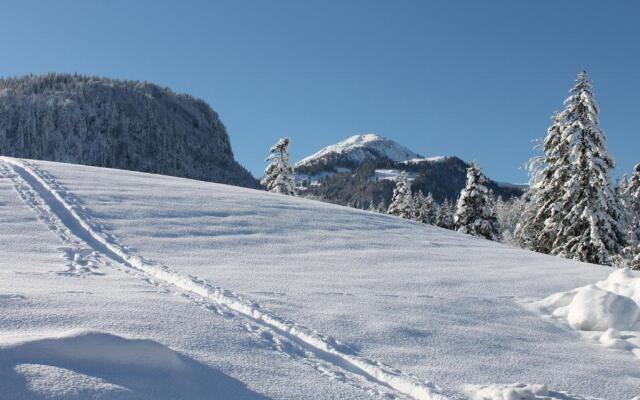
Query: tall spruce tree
x,y
549,174
475,213
278,176
585,222
402,201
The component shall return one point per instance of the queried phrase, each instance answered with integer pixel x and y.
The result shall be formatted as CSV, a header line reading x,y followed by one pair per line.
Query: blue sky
x,y
477,79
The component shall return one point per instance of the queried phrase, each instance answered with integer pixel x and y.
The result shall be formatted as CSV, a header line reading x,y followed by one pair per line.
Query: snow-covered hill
x,y
123,285
118,124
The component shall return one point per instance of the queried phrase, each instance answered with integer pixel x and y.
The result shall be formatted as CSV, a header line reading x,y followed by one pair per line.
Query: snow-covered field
x,y
122,285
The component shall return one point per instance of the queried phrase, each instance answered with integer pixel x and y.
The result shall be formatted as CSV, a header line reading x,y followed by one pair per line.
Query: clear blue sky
x,y
477,79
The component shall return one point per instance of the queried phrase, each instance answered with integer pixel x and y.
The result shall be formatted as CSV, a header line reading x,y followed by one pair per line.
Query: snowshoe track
x,y
64,215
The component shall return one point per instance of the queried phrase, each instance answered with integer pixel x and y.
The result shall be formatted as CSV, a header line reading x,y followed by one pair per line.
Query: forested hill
x,y
119,124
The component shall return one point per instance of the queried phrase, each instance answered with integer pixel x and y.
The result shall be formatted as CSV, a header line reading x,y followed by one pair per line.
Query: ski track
x,y
89,246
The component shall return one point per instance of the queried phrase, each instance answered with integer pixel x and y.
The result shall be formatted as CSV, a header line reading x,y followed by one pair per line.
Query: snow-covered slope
x,y
358,149
241,294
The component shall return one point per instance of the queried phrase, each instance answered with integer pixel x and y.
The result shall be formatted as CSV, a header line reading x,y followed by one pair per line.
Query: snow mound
x,y
594,309
605,309
99,350
359,148
516,391
84,364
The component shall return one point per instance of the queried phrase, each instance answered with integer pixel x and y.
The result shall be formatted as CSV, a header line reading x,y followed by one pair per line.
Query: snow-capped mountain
x,y
356,150
363,169
130,286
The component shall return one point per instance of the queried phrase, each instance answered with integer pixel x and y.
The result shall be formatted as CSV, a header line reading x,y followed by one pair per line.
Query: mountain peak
x,y
359,148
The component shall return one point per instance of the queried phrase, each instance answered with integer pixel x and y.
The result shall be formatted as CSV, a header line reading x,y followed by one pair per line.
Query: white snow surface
x,y
433,159
314,179
392,175
358,148
250,295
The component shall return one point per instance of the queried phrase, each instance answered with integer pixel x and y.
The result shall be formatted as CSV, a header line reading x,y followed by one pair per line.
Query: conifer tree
x,y
444,215
429,209
624,182
382,207
549,173
402,201
475,214
278,176
585,223
630,195
418,206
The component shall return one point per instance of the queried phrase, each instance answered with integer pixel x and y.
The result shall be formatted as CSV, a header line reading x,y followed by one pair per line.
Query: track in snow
x,y
70,221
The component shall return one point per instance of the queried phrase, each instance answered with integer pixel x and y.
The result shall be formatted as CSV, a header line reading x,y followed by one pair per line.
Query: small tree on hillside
x,y
509,213
475,213
382,207
278,176
425,211
429,209
402,201
418,207
444,215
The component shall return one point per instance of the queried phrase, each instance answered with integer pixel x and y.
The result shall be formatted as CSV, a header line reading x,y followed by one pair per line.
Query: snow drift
x,y
603,309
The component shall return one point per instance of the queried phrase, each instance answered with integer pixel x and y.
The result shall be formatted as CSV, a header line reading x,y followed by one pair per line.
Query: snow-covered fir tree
x,y
429,209
549,173
278,176
509,213
402,200
444,215
475,213
424,207
418,207
382,207
624,182
585,223
629,191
